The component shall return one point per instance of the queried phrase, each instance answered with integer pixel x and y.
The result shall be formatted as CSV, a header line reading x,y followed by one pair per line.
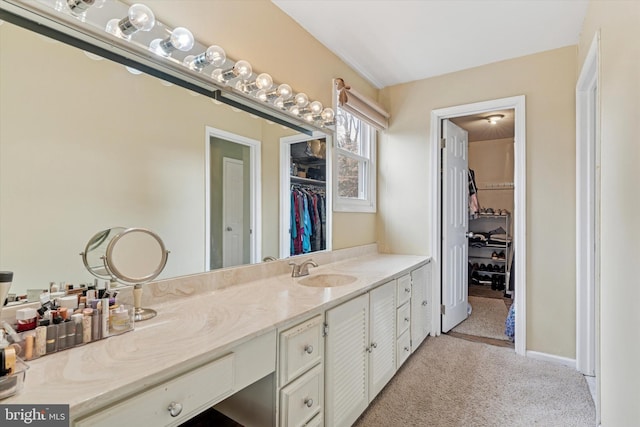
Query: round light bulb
x,y
262,95
242,69
328,114
294,110
215,55
279,102
181,39
316,107
284,91
301,100
264,81
308,117
141,17
217,75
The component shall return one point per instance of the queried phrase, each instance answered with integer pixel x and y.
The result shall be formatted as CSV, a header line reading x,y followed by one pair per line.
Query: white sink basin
x,y
327,280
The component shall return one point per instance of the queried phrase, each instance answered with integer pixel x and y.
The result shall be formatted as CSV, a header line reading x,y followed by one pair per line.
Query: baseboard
x,y
552,358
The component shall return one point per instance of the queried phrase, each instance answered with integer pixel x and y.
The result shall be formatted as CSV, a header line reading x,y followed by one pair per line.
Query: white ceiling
x,y
396,41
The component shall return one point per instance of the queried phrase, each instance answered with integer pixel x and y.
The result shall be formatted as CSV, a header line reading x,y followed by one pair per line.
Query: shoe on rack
x,y
501,255
494,255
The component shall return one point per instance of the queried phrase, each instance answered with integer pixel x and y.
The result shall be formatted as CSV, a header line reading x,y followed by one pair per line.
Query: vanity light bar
x,y
42,17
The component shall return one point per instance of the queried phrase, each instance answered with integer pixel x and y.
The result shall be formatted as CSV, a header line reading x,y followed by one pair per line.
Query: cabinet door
x,y
346,357
382,348
421,305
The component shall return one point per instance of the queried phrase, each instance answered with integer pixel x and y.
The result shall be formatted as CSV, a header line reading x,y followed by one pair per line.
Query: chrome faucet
x,y
302,269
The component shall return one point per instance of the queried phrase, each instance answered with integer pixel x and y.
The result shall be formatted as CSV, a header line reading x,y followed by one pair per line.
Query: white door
x,y
382,332
232,211
347,362
455,221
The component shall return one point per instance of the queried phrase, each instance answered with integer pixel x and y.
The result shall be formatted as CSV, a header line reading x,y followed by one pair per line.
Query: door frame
x,y
519,215
255,193
587,217
285,183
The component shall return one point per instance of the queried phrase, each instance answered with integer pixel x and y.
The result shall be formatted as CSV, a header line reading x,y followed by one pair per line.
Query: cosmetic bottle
x,y
41,341
61,340
86,326
71,333
77,320
28,347
95,325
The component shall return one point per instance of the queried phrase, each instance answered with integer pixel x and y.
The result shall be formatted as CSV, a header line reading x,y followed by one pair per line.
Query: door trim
x,y
255,193
519,214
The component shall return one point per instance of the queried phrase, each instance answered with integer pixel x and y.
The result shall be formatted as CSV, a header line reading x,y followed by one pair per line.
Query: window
x,y
354,185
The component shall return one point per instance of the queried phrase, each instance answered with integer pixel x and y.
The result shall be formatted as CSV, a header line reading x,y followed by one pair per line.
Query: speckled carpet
x,y
450,382
486,320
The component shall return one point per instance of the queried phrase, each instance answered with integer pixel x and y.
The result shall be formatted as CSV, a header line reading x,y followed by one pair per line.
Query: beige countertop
x,y
191,330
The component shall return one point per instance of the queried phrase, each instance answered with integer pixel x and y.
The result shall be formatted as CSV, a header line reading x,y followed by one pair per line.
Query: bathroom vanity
x,y
259,344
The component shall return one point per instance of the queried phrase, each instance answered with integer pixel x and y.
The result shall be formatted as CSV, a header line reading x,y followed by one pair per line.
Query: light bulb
x,y
139,18
301,100
264,81
279,102
308,117
262,95
217,75
284,91
133,71
180,39
242,69
328,114
214,55
78,7
316,107
294,110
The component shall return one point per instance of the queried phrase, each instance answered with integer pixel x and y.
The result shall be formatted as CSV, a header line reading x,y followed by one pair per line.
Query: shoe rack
x,y
490,261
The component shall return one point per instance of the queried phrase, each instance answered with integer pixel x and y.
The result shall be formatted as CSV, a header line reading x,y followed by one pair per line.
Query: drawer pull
x,y
174,409
308,349
309,402
407,290
374,345
424,302
407,349
406,319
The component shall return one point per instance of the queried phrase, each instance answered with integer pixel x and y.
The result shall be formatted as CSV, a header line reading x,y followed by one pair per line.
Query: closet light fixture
x,y
495,118
214,55
180,39
139,18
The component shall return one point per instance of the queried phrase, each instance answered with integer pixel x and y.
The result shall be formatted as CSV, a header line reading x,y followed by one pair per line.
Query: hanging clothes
x,y
308,222
474,204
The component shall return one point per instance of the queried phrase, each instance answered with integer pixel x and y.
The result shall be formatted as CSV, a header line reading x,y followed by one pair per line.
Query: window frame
x,y
366,204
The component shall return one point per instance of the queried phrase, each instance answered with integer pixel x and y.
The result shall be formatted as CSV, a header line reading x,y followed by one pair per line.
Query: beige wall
x,y
547,80
619,292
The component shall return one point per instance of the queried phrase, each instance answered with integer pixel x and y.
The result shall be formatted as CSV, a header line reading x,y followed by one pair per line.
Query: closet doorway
x,y
305,194
443,190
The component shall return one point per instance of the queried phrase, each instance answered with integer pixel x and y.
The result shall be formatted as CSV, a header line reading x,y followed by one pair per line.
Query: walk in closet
x,y
308,193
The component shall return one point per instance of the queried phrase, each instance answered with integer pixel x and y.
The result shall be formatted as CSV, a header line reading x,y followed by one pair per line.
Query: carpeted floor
x,y
487,319
450,382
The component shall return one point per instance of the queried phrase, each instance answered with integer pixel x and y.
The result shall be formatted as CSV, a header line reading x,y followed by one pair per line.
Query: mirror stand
x,y
139,312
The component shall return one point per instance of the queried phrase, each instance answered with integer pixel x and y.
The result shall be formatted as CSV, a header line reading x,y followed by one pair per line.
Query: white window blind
x,y
361,106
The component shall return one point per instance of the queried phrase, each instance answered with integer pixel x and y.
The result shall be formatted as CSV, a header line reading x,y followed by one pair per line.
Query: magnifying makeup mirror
x,y
130,256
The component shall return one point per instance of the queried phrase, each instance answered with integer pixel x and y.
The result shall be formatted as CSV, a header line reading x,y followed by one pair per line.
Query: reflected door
x,y
232,211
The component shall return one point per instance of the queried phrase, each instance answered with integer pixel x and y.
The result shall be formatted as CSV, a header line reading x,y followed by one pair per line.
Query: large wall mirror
x,y
85,145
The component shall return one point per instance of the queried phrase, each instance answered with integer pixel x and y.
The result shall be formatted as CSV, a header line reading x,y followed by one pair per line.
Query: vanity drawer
x,y
403,348
403,288
193,391
403,319
300,348
301,400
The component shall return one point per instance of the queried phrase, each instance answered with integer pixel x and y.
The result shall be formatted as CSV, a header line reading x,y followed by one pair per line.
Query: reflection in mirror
x,y
84,144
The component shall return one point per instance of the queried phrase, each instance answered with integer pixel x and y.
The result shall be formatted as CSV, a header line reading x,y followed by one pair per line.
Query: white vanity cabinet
x,y
175,401
421,304
360,353
301,373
